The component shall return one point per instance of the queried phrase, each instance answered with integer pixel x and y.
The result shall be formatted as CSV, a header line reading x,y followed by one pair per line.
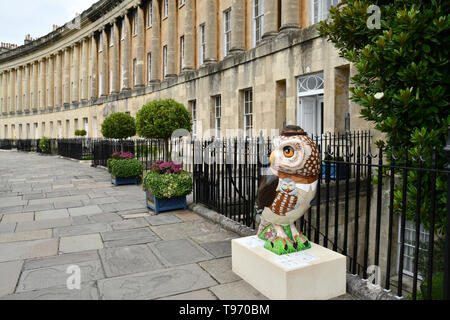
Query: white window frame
x,y
194,118
123,29
111,39
121,77
100,84
166,9
150,14
149,66
165,61
258,17
248,112
135,22
111,80
134,71
318,9
182,52
202,45
226,32
217,116
86,126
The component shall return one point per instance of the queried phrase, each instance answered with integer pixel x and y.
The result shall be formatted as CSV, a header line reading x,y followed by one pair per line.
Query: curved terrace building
x,y
235,64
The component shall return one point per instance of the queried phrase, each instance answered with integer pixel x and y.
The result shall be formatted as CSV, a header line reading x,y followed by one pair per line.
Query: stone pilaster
x,y
211,32
58,79
75,73
115,58
126,51
2,92
12,87
270,18
140,48
19,106
104,63
156,41
34,100
51,83
26,88
238,26
93,83
66,84
41,90
290,19
84,68
189,36
172,39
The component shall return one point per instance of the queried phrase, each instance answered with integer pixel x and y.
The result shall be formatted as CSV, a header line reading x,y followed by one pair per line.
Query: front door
x,y
309,114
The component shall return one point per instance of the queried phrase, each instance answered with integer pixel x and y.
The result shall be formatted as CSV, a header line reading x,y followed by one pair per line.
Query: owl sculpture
x,y
286,193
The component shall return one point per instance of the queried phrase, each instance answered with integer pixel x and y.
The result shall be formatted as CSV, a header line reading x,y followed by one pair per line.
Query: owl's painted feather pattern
x,y
283,203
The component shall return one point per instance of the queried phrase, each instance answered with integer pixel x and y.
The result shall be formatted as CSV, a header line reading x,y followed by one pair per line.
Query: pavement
x,y
62,221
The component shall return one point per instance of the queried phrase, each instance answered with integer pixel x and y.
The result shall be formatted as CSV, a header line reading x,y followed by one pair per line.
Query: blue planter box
x,y
118,181
342,174
164,204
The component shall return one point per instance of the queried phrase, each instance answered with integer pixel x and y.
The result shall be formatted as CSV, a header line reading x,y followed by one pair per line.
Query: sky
x,y
36,17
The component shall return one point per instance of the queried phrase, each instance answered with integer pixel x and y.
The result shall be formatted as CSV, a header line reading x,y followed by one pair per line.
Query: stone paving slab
x,y
88,291
120,261
104,218
221,235
220,270
164,218
81,229
80,243
26,235
185,229
38,207
51,214
219,249
130,224
179,252
54,276
7,227
18,217
9,274
28,249
187,215
86,210
155,284
42,224
203,294
238,290
68,204
67,258
11,210
127,234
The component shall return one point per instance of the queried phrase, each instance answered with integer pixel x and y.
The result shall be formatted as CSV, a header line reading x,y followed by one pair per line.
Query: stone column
x,y
76,73
41,90
238,26
51,83
270,18
2,93
104,63
19,106
35,101
93,83
126,52
115,59
211,32
156,41
84,68
140,49
290,19
66,84
58,73
172,39
189,36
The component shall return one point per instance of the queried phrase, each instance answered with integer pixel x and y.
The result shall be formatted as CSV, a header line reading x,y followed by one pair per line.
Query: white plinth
x,y
313,274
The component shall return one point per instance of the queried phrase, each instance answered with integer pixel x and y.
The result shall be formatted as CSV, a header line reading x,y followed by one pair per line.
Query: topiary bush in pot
x,y
44,145
124,168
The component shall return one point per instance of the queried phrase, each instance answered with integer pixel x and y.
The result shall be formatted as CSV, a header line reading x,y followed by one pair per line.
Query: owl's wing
x,y
267,191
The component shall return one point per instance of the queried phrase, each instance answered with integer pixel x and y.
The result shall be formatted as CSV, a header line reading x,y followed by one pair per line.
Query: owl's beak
x,y
272,158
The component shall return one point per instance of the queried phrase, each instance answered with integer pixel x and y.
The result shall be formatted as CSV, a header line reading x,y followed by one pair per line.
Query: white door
x,y
309,114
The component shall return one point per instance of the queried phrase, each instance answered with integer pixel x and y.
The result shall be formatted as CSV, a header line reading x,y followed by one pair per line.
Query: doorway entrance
x,y
310,103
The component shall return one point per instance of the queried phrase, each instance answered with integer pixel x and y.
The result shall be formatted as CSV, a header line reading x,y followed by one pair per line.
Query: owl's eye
x,y
288,152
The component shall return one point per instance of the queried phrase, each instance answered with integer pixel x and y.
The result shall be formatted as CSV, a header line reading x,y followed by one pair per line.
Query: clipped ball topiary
x,y
119,125
158,119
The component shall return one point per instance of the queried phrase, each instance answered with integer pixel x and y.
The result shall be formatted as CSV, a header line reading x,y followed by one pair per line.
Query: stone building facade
x,y
235,64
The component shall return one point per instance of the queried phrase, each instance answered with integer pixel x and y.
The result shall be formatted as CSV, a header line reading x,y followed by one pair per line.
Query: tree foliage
x,y
402,84
119,125
158,119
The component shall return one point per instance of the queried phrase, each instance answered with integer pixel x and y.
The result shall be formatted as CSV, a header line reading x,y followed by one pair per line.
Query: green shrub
x,y
80,133
44,145
126,168
119,125
109,164
168,185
